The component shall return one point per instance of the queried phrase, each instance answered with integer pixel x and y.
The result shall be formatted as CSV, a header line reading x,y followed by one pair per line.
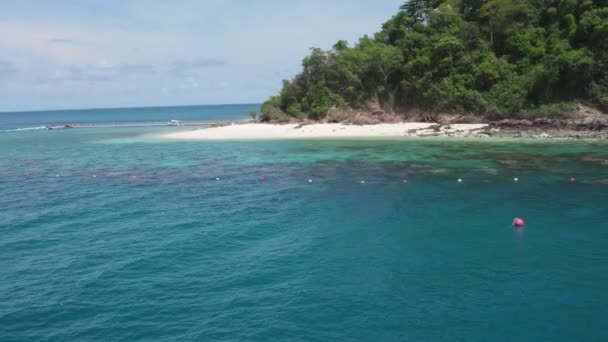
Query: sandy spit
x,y
259,131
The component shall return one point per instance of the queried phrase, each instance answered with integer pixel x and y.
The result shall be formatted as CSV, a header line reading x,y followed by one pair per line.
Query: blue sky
x,y
90,54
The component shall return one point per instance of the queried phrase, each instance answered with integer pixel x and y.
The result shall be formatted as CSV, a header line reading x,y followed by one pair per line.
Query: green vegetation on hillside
x,y
492,58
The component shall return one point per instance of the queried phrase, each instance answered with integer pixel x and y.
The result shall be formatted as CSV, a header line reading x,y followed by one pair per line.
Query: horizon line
x,y
121,107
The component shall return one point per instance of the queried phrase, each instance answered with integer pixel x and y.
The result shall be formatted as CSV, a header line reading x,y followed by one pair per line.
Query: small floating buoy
x,y
133,177
459,180
404,181
516,180
518,222
262,178
310,181
94,176
572,180
217,178
362,182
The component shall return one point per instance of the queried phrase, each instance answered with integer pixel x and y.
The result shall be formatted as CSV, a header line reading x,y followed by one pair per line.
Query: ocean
x,y
125,117
114,234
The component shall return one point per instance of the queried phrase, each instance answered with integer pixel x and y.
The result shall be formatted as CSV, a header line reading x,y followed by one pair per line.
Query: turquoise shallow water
x,y
155,248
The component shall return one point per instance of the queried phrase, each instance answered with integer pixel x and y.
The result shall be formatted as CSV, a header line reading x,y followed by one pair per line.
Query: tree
x,y
487,57
506,16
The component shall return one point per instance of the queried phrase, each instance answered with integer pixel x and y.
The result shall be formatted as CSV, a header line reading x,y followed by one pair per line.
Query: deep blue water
x,y
20,120
154,248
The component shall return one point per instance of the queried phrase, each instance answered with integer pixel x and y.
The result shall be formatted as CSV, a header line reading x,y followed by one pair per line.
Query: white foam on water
x,y
38,128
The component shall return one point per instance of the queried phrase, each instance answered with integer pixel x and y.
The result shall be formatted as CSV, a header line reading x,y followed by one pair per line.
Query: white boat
x,y
174,123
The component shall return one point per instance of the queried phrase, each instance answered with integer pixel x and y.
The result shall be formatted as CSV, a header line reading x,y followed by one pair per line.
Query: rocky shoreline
x,y
530,129
584,123
546,128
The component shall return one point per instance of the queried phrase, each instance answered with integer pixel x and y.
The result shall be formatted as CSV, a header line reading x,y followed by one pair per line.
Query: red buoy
x,y
404,181
572,180
518,222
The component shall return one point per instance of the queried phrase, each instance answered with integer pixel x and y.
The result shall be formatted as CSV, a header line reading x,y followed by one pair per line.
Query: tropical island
x,y
509,64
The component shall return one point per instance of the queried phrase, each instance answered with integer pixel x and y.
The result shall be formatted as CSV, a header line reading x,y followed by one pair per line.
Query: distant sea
x,y
114,234
126,116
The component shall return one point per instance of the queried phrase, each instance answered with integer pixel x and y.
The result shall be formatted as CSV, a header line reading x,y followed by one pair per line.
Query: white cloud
x,y
63,41
102,72
189,83
195,67
234,50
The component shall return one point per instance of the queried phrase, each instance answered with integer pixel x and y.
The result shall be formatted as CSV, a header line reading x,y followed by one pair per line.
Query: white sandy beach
x,y
259,131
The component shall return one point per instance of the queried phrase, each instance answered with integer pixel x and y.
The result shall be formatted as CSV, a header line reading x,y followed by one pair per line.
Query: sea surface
x,y
125,117
114,234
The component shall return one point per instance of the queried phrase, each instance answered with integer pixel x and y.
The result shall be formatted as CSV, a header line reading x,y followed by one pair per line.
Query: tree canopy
x,y
483,57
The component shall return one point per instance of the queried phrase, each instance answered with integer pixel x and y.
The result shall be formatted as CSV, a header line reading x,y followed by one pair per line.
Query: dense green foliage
x,y
493,58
